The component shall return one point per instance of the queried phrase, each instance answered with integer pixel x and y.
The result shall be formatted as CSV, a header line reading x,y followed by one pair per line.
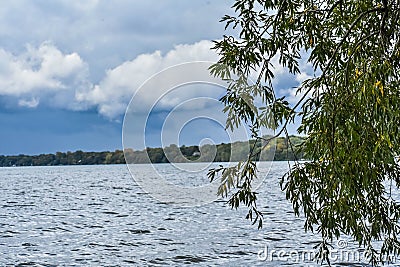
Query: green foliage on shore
x,y
60,158
172,153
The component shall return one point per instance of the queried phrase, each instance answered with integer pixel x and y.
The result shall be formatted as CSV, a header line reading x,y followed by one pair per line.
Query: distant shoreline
x,y
220,153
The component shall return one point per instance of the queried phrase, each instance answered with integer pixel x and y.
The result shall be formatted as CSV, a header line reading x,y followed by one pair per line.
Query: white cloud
x,y
42,72
116,89
53,63
61,80
106,33
31,103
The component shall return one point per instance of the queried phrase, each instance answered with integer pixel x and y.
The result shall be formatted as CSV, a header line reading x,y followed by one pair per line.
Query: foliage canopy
x,y
349,112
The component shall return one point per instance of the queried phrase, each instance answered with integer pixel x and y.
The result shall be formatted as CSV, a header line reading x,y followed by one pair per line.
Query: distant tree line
x,y
172,153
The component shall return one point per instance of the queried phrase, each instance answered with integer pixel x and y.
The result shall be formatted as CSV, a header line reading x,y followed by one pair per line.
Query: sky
x,y
69,69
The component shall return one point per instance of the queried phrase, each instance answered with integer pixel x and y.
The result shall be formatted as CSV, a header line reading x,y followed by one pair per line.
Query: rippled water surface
x,y
98,216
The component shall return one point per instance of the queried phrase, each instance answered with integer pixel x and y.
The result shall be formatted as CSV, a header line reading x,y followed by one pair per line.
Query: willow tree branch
x,y
347,35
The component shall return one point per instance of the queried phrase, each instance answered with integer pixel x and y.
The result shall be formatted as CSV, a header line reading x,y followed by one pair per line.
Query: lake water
x,y
99,216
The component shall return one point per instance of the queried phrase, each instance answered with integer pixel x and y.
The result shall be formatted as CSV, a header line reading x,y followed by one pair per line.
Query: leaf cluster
x,y
349,110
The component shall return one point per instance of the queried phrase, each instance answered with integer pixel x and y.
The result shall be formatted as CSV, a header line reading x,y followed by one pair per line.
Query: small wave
x,y
188,259
139,231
